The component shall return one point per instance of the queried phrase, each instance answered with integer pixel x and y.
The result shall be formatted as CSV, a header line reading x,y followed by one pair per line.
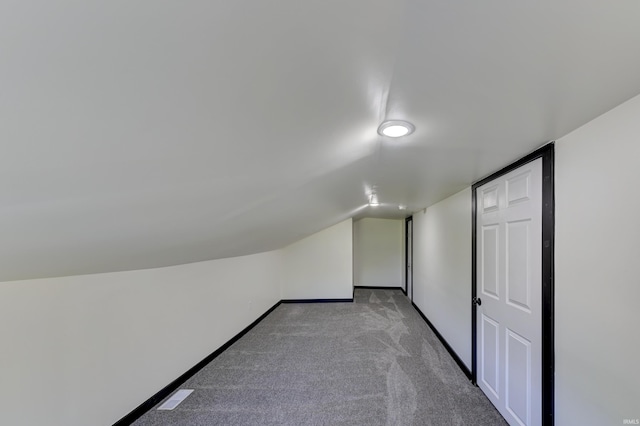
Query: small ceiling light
x,y
402,207
396,128
373,200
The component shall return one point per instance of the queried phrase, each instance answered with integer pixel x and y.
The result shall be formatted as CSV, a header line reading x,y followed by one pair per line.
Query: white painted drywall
x,y
597,285
442,269
320,266
89,349
378,252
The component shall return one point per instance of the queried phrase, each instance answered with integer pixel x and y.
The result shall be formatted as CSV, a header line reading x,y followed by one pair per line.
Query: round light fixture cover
x,y
396,128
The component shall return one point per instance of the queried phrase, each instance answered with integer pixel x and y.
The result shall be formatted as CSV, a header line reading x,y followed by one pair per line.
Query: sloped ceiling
x,y
148,133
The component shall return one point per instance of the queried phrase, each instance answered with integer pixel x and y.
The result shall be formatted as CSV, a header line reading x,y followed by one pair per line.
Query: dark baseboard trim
x,y
446,345
317,300
404,291
370,287
168,390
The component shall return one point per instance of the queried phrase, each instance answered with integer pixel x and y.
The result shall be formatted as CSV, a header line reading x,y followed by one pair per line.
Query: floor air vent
x,y
175,399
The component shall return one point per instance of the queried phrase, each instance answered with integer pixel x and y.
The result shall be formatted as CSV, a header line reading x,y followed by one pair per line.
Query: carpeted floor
x,y
372,362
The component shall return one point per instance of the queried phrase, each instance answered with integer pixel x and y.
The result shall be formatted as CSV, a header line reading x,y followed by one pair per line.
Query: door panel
x,y
517,188
490,355
509,255
518,377
489,261
518,264
489,199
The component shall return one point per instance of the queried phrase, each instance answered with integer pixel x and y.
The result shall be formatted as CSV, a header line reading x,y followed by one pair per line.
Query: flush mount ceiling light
x,y
396,128
373,200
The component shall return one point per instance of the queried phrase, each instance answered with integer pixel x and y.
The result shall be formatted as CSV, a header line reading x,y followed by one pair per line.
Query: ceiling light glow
x,y
395,131
396,128
373,200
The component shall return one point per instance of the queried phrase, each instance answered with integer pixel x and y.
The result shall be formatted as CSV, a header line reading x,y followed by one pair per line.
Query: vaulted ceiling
x,y
147,133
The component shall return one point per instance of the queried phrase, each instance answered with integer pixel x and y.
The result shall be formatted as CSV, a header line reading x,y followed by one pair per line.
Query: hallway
x,y
371,362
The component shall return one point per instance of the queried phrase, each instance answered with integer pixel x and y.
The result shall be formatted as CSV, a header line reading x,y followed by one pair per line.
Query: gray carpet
x,y
372,362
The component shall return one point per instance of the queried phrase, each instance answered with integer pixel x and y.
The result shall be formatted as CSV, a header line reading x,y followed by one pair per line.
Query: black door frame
x,y
406,256
547,154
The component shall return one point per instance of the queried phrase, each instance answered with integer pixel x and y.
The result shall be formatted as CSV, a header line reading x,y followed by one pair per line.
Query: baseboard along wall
x,y
448,347
171,387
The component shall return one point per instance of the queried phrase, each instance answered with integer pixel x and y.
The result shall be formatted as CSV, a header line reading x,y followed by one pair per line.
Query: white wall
x,y
442,269
89,349
320,266
378,248
597,283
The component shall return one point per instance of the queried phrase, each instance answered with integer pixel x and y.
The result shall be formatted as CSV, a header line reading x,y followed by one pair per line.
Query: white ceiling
x,y
147,133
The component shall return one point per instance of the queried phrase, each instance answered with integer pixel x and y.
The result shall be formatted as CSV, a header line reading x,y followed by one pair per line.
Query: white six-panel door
x,y
509,259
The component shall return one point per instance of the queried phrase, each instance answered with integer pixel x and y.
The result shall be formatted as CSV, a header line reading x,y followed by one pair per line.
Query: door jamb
x,y
406,256
548,229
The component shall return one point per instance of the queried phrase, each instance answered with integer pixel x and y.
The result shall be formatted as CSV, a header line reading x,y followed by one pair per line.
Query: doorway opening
x,y
408,250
